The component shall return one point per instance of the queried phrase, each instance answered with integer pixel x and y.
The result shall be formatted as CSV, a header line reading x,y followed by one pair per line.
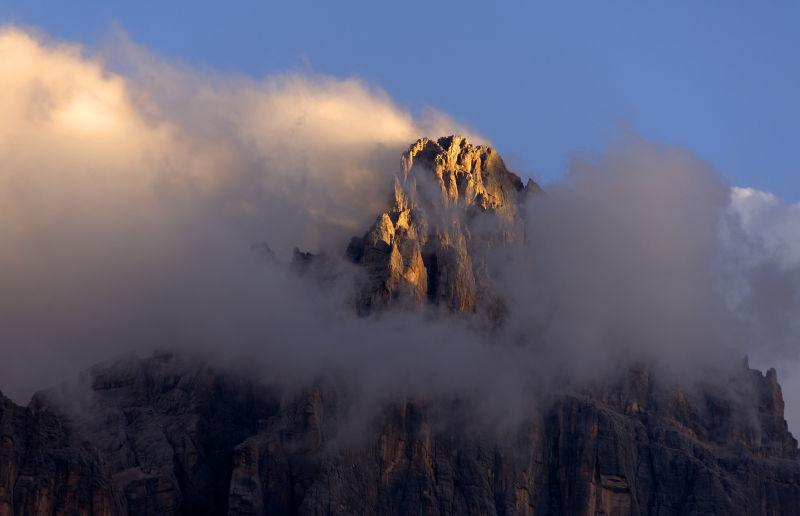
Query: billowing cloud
x,y
133,191
127,199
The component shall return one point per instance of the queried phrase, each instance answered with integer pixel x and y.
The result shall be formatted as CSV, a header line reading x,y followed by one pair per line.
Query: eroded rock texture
x,y
170,436
453,203
640,450
45,468
165,428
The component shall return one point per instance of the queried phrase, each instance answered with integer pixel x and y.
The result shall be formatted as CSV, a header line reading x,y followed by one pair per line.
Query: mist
x,y
137,197
620,260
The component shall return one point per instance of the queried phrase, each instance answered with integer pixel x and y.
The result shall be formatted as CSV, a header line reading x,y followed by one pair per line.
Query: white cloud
x,y
775,224
768,286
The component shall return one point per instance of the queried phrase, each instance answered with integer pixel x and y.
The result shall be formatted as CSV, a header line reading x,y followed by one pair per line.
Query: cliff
x,y
46,469
167,435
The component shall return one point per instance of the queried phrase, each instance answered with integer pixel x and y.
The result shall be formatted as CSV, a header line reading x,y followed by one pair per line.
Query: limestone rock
x,y
164,427
453,202
170,436
623,450
46,469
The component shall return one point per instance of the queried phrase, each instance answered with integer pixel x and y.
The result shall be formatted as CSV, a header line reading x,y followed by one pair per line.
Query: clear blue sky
x,y
543,81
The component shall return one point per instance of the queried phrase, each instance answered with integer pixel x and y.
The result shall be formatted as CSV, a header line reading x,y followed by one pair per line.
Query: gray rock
x,y
630,450
171,436
46,469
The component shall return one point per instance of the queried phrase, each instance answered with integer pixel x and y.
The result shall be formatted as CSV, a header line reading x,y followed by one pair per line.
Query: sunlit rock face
x,y
453,203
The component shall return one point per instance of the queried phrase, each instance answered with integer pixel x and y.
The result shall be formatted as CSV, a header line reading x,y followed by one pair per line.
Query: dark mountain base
x,y
171,436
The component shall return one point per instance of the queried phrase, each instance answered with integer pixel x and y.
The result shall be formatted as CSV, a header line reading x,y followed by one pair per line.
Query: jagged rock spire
x,y
452,203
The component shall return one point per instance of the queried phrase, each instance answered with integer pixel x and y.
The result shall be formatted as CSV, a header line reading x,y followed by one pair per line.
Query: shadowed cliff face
x,y
453,203
167,435
46,468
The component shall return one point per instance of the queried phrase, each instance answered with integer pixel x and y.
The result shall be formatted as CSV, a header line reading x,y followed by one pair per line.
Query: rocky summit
x,y
452,203
172,435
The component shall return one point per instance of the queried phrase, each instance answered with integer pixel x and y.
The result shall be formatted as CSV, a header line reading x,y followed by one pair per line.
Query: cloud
x,y
133,190
163,131
129,200
764,273
775,224
620,260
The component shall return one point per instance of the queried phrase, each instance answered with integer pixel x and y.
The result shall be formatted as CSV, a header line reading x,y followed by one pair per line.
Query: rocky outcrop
x,y
169,436
453,203
632,452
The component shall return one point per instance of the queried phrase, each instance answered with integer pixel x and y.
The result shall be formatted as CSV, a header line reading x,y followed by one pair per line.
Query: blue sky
x,y
544,82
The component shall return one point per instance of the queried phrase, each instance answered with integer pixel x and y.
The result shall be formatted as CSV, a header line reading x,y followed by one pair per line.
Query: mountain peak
x,y
453,202
472,174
